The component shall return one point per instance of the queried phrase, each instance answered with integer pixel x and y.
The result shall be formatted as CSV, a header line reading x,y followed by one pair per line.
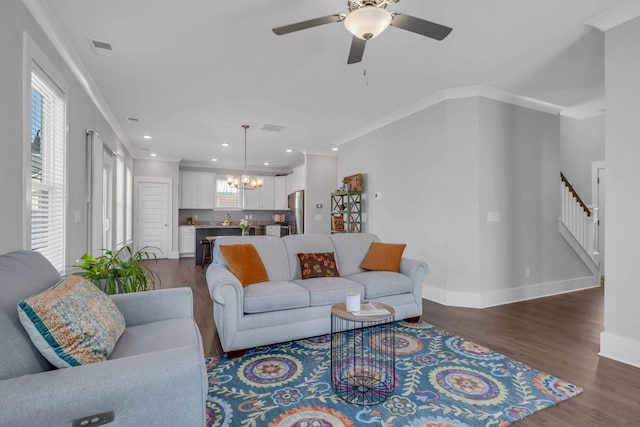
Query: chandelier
x,y
245,183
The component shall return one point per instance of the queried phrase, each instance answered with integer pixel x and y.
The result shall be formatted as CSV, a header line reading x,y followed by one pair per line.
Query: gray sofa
x,y
288,308
156,374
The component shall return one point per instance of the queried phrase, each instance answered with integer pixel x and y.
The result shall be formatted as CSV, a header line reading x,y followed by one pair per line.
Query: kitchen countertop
x,y
229,226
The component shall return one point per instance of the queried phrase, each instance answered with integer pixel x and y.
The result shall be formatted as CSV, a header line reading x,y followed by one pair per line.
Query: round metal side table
x,y
362,355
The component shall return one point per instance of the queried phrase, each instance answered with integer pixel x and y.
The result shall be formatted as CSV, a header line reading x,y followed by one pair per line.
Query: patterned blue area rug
x,y
441,381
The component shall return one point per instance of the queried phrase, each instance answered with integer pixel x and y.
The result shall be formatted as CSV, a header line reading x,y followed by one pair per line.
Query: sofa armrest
x,y
417,270
219,278
162,388
151,306
227,294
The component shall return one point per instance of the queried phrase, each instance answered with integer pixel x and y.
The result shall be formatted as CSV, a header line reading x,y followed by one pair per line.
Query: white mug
x,y
353,301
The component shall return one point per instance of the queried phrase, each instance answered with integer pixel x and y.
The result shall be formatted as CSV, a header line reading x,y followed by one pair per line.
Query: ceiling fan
x,y
367,19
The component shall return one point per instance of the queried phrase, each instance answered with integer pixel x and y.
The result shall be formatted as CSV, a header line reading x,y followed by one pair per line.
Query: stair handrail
x,y
575,193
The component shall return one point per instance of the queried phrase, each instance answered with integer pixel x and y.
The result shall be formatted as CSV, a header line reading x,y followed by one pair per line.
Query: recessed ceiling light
x,y
288,150
266,163
225,144
153,154
335,148
214,160
147,137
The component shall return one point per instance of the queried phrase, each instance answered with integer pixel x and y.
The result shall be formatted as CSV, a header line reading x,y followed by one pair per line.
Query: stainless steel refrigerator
x,y
296,212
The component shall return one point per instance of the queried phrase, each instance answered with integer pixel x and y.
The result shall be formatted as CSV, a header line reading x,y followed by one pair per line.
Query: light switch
x,y
318,217
493,216
77,216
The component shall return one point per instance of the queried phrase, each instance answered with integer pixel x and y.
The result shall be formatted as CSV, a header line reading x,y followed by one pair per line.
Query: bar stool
x,y
206,251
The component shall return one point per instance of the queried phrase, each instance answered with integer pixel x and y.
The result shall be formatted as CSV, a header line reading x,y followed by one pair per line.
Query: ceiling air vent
x,y
133,120
273,128
101,48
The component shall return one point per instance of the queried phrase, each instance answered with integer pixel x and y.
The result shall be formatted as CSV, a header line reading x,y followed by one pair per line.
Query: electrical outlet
x,y
94,420
77,216
527,273
250,216
246,217
195,216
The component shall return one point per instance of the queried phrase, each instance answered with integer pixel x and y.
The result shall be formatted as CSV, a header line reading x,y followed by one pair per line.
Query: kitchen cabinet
x,y
197,190
187,246
262,198
280,200
296,180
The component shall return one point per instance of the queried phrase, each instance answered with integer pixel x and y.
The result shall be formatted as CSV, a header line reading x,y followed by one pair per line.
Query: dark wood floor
x,y
559,335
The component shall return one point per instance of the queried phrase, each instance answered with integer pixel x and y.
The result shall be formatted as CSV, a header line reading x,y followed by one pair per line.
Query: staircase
x,y
577,226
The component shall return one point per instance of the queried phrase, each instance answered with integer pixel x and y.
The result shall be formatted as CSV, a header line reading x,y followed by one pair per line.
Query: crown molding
x,y
51,28
483,91
616,16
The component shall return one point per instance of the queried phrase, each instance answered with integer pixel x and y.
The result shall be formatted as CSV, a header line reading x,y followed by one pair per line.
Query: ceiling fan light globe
x,y
367,22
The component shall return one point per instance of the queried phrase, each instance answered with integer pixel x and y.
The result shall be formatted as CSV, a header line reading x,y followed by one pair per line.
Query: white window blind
x,y
121,205
48,169
129,207
227,196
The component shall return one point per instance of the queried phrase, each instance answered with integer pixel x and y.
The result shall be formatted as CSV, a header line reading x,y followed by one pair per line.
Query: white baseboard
x,y
620,349
506,296
174,255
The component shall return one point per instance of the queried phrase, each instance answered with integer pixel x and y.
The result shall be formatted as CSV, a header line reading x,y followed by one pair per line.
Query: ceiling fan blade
x,y
308,24
357,50
420,26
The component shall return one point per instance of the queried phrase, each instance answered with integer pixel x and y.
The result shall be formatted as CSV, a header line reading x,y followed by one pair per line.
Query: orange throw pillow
x,y
383,257
245,263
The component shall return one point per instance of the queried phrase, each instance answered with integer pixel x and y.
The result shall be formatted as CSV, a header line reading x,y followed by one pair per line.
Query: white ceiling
x,y
193,71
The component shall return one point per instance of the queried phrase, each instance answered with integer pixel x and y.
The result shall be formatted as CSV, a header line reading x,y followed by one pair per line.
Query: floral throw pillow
x,y
318,265
73,323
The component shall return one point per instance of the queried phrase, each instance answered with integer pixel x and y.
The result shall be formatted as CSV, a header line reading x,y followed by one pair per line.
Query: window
x,y
121,200
227,196
48,168
129,207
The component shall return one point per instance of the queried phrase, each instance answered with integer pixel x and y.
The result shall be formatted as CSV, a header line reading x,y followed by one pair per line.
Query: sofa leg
x,y
415,319
234,354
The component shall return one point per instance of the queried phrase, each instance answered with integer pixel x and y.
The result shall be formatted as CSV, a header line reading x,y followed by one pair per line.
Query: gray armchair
x,y
156,374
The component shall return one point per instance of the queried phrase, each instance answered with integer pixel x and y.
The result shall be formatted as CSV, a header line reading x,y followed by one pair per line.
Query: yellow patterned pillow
x,y
73,323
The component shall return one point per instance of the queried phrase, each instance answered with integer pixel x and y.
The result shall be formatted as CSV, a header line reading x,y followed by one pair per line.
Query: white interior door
x,y
153,213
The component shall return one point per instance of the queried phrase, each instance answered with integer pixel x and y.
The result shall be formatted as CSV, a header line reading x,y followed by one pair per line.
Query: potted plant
x,y
189,219
121,271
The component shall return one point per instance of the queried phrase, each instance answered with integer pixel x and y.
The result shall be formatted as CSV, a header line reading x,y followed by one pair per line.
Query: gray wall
x,y
82,115
440,173
621,337
321,182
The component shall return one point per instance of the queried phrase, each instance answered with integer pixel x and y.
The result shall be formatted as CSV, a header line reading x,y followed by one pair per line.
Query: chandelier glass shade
x,y
245,182
367,22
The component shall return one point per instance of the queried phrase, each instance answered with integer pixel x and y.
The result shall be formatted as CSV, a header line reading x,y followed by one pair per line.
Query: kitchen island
x,y
204,230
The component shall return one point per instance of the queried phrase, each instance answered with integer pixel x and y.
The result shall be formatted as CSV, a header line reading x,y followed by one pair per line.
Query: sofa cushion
x,y
351,249
274,296
156,336
383,257
22,273
304,243
74,323
382,283
318,265
245,263
270,248
329,290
